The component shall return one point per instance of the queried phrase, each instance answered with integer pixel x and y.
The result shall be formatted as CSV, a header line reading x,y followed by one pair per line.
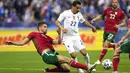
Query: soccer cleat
x,y
91,67
46,70
57,53
94,70
80,70
98,62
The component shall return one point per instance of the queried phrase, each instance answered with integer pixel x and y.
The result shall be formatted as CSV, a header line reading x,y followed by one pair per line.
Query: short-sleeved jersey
x,y
41,41
112,18
70,22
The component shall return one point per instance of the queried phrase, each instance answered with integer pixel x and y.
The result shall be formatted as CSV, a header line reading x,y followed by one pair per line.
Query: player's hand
x,y
120,42
94,29
92,21
8,43
117,26
64,30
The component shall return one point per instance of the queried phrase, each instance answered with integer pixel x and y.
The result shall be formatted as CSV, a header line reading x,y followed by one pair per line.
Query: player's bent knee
x,y
117,51
83,52
106,44
73,55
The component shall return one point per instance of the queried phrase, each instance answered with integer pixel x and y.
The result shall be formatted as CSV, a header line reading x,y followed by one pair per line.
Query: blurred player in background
x,y
114,16
44,45
71,36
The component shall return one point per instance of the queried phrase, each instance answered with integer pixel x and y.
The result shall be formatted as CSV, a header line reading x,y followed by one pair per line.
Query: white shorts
x,y
73,44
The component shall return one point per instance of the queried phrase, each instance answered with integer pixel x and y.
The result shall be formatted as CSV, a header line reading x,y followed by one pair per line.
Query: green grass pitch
x,y
31,62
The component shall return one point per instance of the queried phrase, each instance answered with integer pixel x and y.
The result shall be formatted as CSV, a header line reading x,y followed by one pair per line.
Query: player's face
x,y
44,28
77,8
114,4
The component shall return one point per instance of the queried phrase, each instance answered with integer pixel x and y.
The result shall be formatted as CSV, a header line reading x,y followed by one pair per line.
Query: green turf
x,y
31,62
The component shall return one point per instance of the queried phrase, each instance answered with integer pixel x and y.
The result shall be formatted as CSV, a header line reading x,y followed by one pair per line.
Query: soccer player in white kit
x,y
70,31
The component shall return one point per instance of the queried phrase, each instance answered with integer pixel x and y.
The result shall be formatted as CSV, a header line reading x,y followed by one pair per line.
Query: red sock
x,y
116,62
104,51
129,56
78,65
112,45
55,69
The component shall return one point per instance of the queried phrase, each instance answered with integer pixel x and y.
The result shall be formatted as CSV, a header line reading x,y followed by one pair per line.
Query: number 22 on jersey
x,y
112,16
73,23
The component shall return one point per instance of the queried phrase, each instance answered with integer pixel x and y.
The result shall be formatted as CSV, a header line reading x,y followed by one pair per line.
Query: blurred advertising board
x,y
92,41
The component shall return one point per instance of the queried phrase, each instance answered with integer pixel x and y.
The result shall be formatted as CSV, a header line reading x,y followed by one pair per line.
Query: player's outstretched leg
x,y
79,65
116,60
79,69
55,69
103,53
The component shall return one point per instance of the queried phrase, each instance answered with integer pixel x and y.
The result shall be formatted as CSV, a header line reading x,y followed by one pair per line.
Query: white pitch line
x,y
42,69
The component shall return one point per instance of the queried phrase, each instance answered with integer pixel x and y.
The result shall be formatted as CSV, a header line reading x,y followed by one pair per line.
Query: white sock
x,y
87,59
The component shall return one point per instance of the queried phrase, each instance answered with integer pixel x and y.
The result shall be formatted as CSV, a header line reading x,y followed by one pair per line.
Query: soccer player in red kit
x,y
44,45
129,23
114,16
129,18
122,47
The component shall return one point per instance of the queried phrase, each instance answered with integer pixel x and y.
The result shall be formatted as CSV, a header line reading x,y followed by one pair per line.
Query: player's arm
x,y
97,18
59,37
59,20
104,13
19,43
59,25
61,28
124,37
89,25
123,23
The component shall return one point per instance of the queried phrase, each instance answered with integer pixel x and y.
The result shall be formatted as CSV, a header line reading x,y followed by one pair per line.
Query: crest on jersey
x,y
116,13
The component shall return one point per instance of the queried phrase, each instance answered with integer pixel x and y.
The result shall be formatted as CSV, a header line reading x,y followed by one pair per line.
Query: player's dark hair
x,y
40,24
76,2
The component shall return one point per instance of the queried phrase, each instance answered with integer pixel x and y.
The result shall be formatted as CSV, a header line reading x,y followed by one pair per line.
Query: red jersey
x,y
41,41
112,18
129,22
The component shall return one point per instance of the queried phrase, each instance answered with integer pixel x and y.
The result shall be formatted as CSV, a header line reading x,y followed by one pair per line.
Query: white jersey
x,y
70,22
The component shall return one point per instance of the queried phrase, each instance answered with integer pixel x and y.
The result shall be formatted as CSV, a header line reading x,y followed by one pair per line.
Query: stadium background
x,y
19,17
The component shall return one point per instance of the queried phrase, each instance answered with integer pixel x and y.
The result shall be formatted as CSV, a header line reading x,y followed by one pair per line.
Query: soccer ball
x,y
107,64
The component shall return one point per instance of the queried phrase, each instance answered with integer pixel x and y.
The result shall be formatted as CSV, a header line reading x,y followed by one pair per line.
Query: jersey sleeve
x,y
81,18
104,12
31,35
129,22
61,17
122,15
51,39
